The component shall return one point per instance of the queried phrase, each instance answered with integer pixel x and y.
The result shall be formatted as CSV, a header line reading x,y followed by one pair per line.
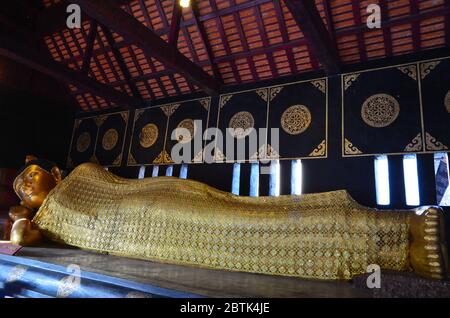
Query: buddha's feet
x,y
428,251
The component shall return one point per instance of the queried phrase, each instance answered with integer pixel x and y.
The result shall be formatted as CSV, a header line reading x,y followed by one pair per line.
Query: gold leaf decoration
x,y
124,116
350,149
205,103
138,114
380,110
163,158
433,144
77,123
131,160
410,70
274,92
320,85
319,151
426,68
415,144
447,101
262,92
349,79
296,119
118,160
169,109
224,99
100,120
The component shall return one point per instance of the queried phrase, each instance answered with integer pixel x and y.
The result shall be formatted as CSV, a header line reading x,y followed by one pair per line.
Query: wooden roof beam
x,y
20,53
134,31
308,19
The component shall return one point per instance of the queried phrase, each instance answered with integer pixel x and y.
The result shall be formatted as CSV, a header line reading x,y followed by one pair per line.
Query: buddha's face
x,y
34,184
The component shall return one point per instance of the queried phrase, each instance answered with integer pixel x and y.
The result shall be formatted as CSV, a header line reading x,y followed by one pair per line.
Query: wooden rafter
x,y
387,30
117,19
175,24
20,53
285,36
359,34
120,62
308,18
89,46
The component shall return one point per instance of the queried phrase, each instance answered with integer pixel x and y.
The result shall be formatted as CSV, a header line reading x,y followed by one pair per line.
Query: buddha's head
x,y
35,180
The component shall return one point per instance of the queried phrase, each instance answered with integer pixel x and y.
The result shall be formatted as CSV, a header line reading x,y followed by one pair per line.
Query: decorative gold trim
x,y
447,101
349,79
380,110
426,68
163,158
169,109
77,123
296,119
224,99
320,150
274,92
263,93
320,85
415,145
117,161
138,114
433,144
131,160
148,135
83,143
206,102
100,120
410,70
110,139
125,116
350,149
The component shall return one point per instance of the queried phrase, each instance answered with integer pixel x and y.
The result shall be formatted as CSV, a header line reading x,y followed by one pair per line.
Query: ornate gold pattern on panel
x,y
169,109
180,132
433,144
320,85
205,103
426,68
224,99
100,120
410,70
349,79
262,92
274,91
322,236
163,158
77,123
148,135
350,149
447,101
110,139
138,114
118,160
415,144
124,116
83,142
320,150
16,273
296,119
131,160
218,155
242,124
380,110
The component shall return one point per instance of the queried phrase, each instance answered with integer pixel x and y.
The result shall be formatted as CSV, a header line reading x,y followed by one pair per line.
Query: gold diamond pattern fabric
x,y
319,236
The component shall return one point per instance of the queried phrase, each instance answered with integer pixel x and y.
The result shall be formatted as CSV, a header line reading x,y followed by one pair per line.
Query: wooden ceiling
x,y
229,42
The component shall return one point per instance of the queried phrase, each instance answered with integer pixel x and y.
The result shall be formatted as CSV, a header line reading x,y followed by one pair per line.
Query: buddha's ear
x,y
29,158
56,174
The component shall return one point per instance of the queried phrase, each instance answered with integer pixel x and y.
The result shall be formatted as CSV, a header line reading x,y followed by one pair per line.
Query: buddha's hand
x,y
23,233
20,212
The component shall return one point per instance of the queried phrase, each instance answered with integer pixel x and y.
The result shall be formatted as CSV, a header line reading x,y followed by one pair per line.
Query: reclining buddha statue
x,y
170,220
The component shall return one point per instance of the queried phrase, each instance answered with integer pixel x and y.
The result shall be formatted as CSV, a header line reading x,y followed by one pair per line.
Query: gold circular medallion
x,y
110,139
241,124
447,101
148,135
296,119
185,131
380,110
83,142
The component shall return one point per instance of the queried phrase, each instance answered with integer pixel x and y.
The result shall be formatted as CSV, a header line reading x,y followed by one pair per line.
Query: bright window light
x,y
411,180
254,180
442,173
236,182
169,171
155,171
141,172
382,180
296,177
274,187
184,171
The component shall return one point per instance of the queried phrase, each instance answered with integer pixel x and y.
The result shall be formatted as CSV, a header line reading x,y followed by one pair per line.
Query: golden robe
x,y
165,219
